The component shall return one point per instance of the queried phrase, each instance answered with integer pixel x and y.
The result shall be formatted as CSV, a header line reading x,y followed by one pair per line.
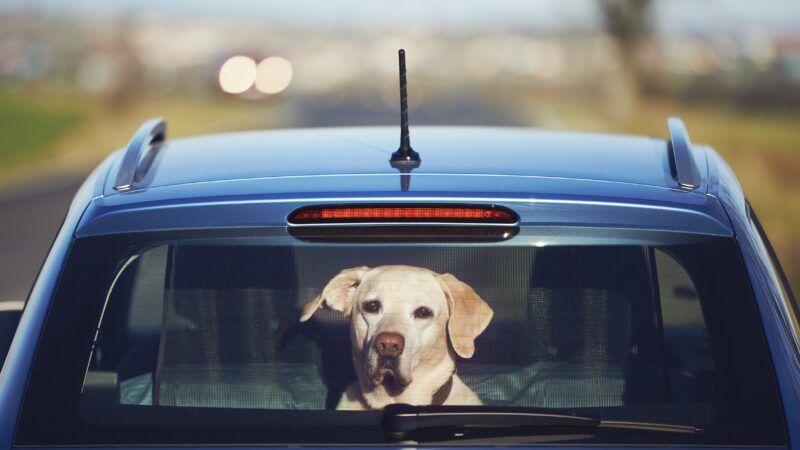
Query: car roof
x,y
444,150
256,179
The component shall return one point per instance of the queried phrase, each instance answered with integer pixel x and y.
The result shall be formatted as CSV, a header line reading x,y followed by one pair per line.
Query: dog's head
x,y
402,317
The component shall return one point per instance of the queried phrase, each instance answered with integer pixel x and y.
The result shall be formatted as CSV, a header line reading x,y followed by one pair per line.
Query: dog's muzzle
x,y
387,350
389,374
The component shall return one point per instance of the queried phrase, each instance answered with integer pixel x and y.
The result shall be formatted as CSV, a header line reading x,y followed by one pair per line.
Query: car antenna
x,y
405,159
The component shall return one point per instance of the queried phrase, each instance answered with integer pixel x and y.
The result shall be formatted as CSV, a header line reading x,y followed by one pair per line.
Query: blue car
x,y
487,287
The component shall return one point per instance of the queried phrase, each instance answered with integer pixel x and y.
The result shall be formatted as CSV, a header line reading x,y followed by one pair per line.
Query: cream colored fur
x,y
431,344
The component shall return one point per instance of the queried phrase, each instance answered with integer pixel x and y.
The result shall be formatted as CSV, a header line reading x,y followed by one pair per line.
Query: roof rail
x,y
686,173
152,132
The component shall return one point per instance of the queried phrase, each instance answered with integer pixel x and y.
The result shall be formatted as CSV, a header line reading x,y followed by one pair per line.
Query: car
x,y
635,298
490,286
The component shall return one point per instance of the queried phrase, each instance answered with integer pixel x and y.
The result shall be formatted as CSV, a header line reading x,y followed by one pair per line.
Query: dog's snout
x,y
389,344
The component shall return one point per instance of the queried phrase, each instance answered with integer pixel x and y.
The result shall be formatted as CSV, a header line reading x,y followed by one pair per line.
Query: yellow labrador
x,y
401,318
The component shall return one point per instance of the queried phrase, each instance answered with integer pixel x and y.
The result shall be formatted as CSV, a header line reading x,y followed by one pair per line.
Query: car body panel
x,y
556,178
782,338
444,150
14,374
538,200
434,447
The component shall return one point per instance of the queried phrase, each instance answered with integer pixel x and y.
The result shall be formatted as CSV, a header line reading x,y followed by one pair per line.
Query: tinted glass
x,y
221,339
10,313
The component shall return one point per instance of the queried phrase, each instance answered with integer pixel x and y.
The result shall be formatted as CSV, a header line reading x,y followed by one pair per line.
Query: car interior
x,y
213,325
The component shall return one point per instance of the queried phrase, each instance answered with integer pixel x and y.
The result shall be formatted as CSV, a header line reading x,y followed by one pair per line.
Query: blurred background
x,y
77,78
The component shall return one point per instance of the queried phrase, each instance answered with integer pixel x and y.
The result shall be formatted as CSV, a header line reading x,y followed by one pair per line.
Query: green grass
x,y
30,124
79,130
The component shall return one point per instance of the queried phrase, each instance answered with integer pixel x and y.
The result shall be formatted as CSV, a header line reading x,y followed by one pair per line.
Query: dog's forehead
x,y
401,279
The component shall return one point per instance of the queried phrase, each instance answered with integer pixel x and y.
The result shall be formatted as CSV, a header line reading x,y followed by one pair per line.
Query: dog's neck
x,y
441,394
430,386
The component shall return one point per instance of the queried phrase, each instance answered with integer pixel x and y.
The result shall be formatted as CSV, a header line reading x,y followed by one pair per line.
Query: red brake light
x,y
354,214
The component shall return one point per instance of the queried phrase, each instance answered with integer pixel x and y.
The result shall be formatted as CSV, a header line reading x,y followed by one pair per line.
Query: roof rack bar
x,y
152,132
687,174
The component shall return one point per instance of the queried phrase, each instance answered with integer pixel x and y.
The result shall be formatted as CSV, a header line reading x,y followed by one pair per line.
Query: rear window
x,y
231,338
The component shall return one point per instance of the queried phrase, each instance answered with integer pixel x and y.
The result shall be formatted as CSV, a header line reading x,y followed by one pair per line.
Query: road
x,y
30,219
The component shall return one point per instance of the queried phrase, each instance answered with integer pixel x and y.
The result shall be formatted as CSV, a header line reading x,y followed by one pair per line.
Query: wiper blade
x,y
401,420
649,426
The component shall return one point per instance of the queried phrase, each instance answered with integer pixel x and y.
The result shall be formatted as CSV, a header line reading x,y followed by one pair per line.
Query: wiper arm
x,y
401,420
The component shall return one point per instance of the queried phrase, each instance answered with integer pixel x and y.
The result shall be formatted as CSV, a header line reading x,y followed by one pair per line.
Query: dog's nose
x,y
389,344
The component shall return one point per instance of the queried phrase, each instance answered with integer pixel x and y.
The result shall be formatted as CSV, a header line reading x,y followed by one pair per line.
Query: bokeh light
x,y
237,74
273,75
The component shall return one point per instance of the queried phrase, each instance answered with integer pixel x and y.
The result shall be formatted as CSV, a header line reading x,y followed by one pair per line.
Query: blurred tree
x,y
628,23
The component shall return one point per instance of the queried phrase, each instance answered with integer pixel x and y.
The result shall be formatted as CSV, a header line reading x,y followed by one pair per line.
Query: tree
x,y
628,23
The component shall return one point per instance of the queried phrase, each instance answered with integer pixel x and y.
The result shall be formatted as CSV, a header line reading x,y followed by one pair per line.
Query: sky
x,y
672,15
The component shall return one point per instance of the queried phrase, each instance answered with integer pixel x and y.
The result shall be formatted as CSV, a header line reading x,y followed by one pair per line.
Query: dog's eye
x,y
371,306
423,313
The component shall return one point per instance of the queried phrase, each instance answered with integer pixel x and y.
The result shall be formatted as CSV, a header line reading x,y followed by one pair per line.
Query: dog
x,y
407,324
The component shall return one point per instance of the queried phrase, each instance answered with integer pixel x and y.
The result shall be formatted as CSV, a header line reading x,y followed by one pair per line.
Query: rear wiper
x,y
401,421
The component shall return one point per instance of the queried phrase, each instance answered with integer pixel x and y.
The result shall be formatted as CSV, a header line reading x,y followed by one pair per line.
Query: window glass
x,y
686,343
10,313
263,339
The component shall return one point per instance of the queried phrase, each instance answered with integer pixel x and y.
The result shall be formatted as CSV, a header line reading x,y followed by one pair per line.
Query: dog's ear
x,y
469,314
338,294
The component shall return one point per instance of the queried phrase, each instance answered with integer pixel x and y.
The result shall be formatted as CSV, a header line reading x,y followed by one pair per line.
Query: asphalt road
x,y
464,111
30,217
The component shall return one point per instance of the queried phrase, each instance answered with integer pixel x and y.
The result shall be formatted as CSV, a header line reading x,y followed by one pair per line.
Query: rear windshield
x,y
267,338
